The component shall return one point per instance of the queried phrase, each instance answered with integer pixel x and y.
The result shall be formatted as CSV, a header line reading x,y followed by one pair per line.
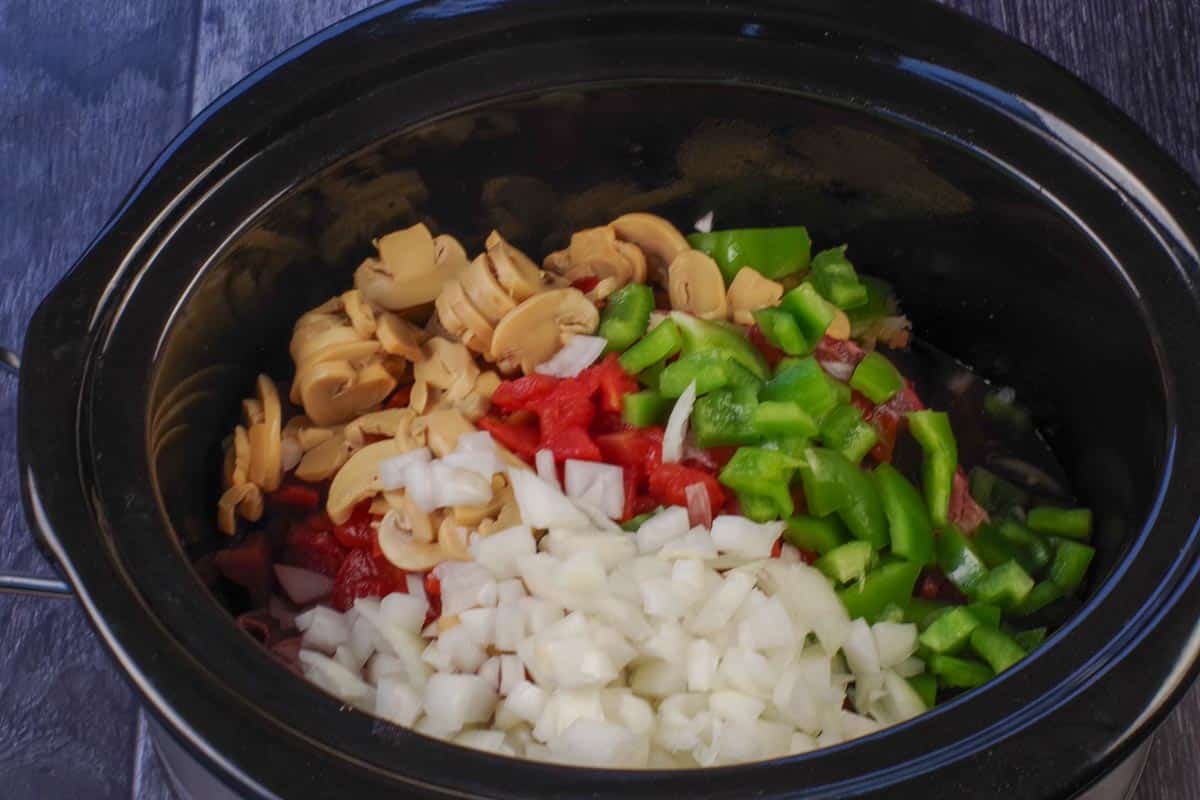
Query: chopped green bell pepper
x,y
779,418
994,493
993,548
1041,595
656,346
1073,523
879,588
650,375
847,562
987,614
1070,564
700,335
950,632
815,534
996,648
932,431
773,252
881,302
958,559
1030,639
1031,551
757,507
781,330
924,612
1005,586
725,417
626,316
925,685
707,370
805,383
959,673
642,409
793,446
911,530
833,484
844,430
633,523
812,312
765,474
877,378
835,278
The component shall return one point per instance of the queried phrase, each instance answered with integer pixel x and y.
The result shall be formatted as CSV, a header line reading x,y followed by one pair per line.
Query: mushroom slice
x,y
486,384
597,253
442,429
839,328
324,460
362,318
477,331
389,422
301,429
358,479
266,458
403,550
535,330
484,291
519,276
245,498
398,336
407,272
696,286
509,516
410,517
454,540
449,254
334,391
659,240
447,364
237,459
749,292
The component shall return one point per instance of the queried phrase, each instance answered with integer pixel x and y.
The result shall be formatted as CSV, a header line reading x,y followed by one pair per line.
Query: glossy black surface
x,y
1032,231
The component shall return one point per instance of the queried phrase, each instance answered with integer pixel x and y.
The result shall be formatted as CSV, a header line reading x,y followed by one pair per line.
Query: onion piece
x,y
601,486
579,353
542,505
392,471
838,370
705,223
672,446
546,470
698,506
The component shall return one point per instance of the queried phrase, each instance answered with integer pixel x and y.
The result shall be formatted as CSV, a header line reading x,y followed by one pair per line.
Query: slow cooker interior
x,y
988,269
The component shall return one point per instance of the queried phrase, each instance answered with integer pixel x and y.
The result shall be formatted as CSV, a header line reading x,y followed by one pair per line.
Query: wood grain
x,y
90,91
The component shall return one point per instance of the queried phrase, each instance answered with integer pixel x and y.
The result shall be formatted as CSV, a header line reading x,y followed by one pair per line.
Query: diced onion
x,y
698,505
705,223
392,471
542,505
676,430
579,353
546,469
601,486
302,586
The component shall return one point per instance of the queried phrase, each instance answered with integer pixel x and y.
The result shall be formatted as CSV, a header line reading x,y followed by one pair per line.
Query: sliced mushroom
x,y
481,287
421,524
454,540
390,422
362,318
659,240
323,461
472,516
840,327
408,271
252,411
749,292
398,336
535,330
403,550
509,516
266,459
462,319
334,391
245,499
237,459
597,253
308,435
519,276
695,285
321,328
446,364
359,479
442,429
450,254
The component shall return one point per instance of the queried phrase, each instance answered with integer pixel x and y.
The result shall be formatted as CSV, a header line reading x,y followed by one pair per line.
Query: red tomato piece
x,y
364,575
669,482
568,406
585,285
777,548
839,351
523,393
770,352
631,478
248,564
297,496
607,422
967,514
356,532
574,443
613,383
400,397
644,504
313,550
641,448
520,437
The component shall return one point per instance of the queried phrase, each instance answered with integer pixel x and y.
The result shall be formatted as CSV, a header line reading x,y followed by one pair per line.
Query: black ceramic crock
x,y
1030,228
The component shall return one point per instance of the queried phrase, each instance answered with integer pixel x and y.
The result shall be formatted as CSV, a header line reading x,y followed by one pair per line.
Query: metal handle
x,y
11,583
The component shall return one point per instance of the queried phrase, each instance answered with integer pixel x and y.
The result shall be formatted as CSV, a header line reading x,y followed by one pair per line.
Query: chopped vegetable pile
x,y
662,502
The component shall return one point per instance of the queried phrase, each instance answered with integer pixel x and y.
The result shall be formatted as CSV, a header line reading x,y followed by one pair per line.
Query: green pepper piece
x,y
959,673
1070,564
911,530
706,370
1041,595
925,685
626,316
781,330
757,507
993,548
924,612
764,474
778,418
879,588
932,431
805,383
1005,586
1073,523
958,559
833,484
658,345
724,417
986,614
847,562
1030,550
835,278
633,523
642,409
877,378
881,302
793,446
844,430
812,312
892,613
700,335
815,534
994,493
996,648
773,252
950,632
1031,639
650,375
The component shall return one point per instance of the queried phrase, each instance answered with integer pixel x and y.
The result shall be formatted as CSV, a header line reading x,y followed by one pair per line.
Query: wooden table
x,y
89,93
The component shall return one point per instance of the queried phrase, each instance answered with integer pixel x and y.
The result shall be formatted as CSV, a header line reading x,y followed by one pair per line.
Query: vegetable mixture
x,y
641,506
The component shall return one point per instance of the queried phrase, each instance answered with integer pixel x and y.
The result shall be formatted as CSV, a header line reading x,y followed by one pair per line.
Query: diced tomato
x,y
777,548
770,352
613,383
363,575
433,593
934,585
571,443
711,459
248,565
400,398
889,420
295,496
641,448
808,556
607,422
319,521
585,285
569,405
861,402
314,550
967,514
520,437
644,504
669,482
839,351
356,532
524,393
631,479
